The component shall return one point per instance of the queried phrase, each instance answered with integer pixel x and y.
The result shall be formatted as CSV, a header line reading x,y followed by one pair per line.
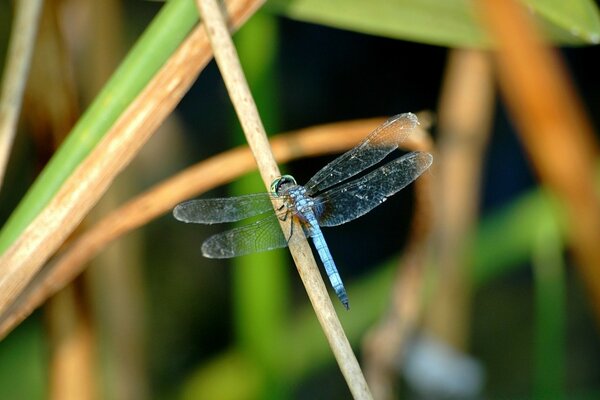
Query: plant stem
x,y
229,65
18,61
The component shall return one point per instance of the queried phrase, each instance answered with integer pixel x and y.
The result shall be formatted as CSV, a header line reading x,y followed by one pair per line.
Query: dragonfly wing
x,y
381,142
261,235
358,197
213,211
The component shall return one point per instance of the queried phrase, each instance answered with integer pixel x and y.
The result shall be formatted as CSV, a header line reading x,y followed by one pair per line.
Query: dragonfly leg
x,y
291,232
284,217
281,207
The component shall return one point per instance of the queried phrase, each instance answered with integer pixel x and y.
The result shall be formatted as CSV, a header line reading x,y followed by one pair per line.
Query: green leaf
x,y
549,272
452,23
504,240
578,19
441,22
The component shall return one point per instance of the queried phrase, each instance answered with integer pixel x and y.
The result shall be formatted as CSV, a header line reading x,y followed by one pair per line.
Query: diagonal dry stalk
x,y
552,124
229,65
20,262
465,115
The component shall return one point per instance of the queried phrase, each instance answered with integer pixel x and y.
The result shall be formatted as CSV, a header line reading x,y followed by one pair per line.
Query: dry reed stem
x,y
553,127
51,108
206,175
51,102
92,178
114,283
229,65
465,116
73,357
18,62
464,124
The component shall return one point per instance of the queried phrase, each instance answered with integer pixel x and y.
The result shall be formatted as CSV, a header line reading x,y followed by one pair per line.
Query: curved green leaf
x,y
441,22
450,23
579,19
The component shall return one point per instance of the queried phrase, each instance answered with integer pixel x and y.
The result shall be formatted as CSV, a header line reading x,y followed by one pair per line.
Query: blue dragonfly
x,y
326,200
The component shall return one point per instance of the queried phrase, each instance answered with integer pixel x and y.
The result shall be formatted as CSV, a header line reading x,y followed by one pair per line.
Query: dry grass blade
x,y
50,109
464,125
162,198
18,58
465,116
73,353
85,186
229,65
553,127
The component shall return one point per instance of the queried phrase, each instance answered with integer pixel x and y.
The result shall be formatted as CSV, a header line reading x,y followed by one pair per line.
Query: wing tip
x,y
412,117
409,117
208,251
427,158
179,214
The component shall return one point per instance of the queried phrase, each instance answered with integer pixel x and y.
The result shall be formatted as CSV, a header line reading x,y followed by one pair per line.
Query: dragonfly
x,y
329,198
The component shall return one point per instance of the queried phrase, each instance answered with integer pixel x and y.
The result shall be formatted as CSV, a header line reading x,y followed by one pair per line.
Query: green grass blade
x,y
550,310
504,239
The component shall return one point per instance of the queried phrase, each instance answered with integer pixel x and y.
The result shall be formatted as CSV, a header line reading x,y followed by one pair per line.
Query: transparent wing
x,y
381,142
214,211
358,197
262,235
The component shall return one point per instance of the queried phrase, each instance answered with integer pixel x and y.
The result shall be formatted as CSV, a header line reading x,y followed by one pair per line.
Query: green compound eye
x,y
284,180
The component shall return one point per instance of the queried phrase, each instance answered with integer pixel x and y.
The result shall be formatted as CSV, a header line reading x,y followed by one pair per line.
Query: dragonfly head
x,y
281,183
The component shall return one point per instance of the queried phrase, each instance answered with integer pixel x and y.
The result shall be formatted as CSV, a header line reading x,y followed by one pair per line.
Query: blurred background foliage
x,y
243,329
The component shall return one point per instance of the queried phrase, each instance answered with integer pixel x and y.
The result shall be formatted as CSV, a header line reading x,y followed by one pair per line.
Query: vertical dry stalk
x,y
18,59
71,376
114,280
465,113
553,127
51,108
229,64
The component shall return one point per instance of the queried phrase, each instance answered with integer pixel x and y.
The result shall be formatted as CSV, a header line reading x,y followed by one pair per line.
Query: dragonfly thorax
x,y
293,195
298,201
